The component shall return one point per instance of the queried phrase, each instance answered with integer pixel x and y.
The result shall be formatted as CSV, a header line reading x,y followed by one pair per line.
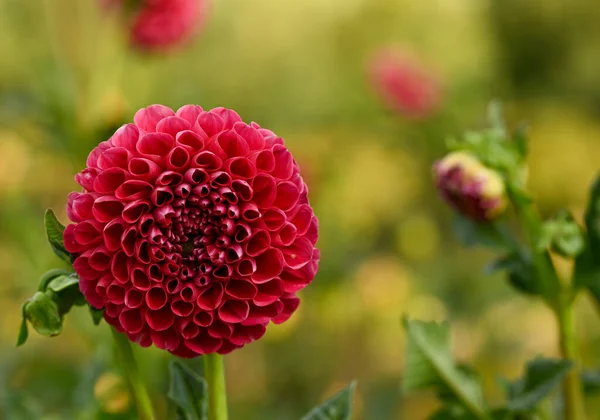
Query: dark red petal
x,y
203,343
156,298
144,169
290,304
109,180
234,311
265,190
263,314
160,320
258,243
268,266
133,190
241,289
132,320
155,146
287,195
211,297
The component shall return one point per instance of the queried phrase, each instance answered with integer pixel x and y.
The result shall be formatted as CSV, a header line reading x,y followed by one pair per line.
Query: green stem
x,y
214,373
132,374
573,400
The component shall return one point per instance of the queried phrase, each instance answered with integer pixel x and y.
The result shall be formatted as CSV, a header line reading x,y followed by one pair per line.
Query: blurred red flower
x,y
161,24
193,230
404,84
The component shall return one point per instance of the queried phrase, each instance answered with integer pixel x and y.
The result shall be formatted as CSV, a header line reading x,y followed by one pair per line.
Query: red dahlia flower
x,y
193,230
160,24
404,84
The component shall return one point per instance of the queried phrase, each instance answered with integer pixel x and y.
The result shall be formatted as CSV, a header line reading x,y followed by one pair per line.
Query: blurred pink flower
x,y
404,84
161,24
193,231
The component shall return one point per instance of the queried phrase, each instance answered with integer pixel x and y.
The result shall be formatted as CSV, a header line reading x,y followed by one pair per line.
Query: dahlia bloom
x,y
404,84
161,24
193,230
468,186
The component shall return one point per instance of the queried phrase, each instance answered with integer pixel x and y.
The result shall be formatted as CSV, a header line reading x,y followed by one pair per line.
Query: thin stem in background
x,y
132,375
214,373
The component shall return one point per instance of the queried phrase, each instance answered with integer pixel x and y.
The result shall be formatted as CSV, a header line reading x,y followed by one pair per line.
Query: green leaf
x,y
429,364
520,139
338,407
471,233
23,330
521,273
188,391
50,275
60,283
542,376
587,265
54,232
97,315
43,314
563,235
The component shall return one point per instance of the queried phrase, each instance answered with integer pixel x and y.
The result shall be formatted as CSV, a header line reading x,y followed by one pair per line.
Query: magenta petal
x,y
148,118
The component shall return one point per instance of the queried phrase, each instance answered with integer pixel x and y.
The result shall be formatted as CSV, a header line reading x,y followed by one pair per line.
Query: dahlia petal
x,y
88,289
126,137
287,195
161,196
203,343
240,167
312,234
196,176
302,219
264,160
142,251
148,118
274,219
87,233
156,298
155,146
299,253
211,297
189,113
118,267
244,334
160,320
115,157
133,190
140,279
103,283
220,179
220,329
265,190
232,144
182,309
79,207
207,160
172,125
211,123
250,212
295,280
241,289
133,211
203,318
169,179
229,116
178,159
92,160
71,243
86,178
227,347
132,320
242,232
188,329
143,338
290,304
189,293
234,311
190,141
284,162
258,243
100,259
263,314
109,180
268,292
287,235
269,265
145,224
254,139
134,298
144,169
165,340
246,267
116,294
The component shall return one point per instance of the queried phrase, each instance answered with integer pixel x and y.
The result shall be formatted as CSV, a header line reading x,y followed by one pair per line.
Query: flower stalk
x,y
214,373
132,375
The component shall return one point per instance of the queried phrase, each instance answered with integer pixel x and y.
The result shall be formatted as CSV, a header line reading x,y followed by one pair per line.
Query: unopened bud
x,y
468,186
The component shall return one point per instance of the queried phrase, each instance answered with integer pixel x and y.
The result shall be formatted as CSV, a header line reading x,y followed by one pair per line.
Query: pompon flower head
x,y
404,84
193,230
471,188
161,24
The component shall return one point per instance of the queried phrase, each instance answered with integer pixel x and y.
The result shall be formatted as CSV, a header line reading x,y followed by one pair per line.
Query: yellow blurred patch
x,y
417,237
111,393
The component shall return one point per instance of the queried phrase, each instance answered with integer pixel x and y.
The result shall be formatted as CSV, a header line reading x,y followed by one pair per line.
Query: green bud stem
x,y
214,374
560,298
132,375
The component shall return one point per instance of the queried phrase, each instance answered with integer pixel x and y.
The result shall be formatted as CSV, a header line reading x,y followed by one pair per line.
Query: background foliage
x,y
67,81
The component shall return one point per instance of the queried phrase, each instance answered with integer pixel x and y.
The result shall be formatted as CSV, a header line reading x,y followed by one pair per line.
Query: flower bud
x,y
42,312
469,187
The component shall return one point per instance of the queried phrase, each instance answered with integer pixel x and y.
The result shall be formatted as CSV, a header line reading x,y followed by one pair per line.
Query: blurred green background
x,y
67,80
